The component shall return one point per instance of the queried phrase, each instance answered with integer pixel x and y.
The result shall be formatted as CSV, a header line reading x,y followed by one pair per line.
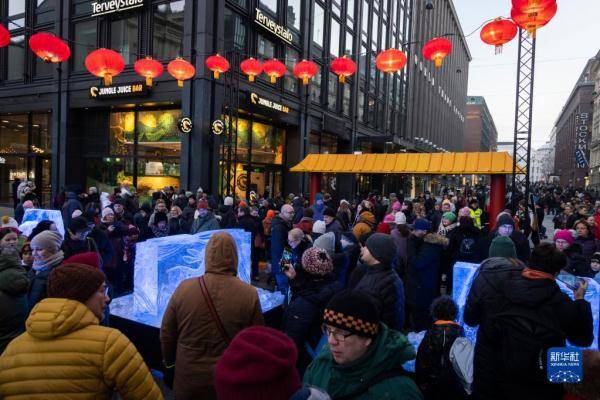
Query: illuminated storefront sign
x,y
125,90
278,30
261,101
113,6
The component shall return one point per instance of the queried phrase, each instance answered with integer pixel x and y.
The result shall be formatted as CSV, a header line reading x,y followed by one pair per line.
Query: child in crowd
x,y
595,266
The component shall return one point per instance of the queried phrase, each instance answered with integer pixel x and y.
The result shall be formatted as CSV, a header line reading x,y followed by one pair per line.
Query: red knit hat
x,y
90,258
260,363
75,281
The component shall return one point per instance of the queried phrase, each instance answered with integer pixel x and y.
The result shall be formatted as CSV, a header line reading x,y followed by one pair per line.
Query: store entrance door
x,y
40,169
264,181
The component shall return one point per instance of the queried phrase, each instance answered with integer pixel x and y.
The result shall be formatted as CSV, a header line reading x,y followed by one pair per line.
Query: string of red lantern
x,y
499,32
251,67
49,48
274,69
437,49
181,70
105,63
390,60
305,70
343,67
148,68
533,21
4,36
217,64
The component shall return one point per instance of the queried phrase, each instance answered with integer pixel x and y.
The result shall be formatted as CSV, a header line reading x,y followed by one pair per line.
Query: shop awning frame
x,y
476,163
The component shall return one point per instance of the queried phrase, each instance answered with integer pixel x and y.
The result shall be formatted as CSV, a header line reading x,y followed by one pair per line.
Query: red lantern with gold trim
x,y
531,6
4,36
343,67
49,48
148,68
390,60
251,67
181,70
217,64
436,50
498,32
274,69
105,63
531,22
305,70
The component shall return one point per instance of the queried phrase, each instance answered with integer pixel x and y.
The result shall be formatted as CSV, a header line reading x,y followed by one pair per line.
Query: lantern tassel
x,y
342,78
498,50
305,80
216,74
438,62
250,78
107,80
179,83
273,79
148,81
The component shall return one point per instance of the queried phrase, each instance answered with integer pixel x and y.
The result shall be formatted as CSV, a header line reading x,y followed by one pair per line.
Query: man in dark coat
x,y
505,226
227,214
249,224
377,277
70,205
331,222
280,227
141,219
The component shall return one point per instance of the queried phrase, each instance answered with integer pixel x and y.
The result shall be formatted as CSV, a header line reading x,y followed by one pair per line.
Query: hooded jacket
x,y
70,205
65,354
366,224
189,337
13,299
279,238
389,350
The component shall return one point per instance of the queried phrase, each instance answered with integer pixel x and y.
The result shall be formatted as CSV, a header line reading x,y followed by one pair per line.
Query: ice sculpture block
x,y
464,273
33,216
162,263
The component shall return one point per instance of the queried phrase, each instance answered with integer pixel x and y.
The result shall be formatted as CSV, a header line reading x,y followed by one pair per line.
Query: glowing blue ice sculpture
x,y
33,216
162,263
464,273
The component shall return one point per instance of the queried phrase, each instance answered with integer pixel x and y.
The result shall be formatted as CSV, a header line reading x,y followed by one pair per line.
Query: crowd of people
x,y
357,276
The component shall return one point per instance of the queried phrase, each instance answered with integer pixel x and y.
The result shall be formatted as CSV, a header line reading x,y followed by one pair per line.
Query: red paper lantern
x,y
148,68
436,50
531,6
305,70
274,69
105,63
181,70
251,67
4,36
217,64
390,60
343,67
49,48
533,21
498,32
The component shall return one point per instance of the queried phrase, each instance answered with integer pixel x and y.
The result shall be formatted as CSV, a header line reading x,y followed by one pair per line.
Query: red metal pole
x,y
315,185
497,196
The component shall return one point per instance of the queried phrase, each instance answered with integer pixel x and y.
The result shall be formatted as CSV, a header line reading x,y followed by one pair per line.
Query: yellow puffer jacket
x,y
65,354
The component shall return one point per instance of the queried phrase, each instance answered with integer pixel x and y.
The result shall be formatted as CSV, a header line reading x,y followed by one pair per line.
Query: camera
x,y
429,4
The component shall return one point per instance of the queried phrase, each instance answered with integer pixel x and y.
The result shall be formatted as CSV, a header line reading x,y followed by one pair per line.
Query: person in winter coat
x,y
177,225
362,360
298,243
331,222
306,222
365,224
13,296
318,207
400,234
577,264
535,296
188,213
425,252
435,374
160,227
46,256
280,227
70,205
141,220
298,210
206,220
249,224
344,214
190,340
463,245
505,226
227,214
585,238
312,286
73,357
78,240
376,277
447,224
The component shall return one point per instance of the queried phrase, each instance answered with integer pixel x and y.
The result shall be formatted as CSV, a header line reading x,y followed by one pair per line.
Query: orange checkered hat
x,y
353,311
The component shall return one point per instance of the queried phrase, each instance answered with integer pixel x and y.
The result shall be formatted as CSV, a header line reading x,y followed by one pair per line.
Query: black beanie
x,y
353,311
505,219
329,212
382,248
78,224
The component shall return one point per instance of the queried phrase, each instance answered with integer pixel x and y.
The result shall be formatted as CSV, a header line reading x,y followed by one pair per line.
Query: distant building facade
x,y
506,146
480,130
594,174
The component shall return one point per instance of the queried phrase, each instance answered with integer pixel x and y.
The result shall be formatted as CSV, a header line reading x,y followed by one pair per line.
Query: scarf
x,y
443,230
50,262
530,273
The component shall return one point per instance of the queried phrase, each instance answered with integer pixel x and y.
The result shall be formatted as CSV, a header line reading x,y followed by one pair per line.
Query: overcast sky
x,y
563,48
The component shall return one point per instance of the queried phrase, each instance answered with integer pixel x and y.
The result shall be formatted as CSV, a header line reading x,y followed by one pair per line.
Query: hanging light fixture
x,y
437,49
390,60
217,64
49,48
274,69
531,22
532,6
181,70
105,63
4,36
148,68
305,70
499,32
343,67
251,67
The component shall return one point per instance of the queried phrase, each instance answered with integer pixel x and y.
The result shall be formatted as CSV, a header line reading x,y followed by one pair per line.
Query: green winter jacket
x,y
208,223
390,350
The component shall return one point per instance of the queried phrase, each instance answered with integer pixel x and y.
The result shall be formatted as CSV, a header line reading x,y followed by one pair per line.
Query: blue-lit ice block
x,y
464,273
33,216
162,263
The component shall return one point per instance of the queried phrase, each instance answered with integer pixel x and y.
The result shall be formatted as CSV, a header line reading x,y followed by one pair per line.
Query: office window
x,y
265,48
318,25
235,31
16,13
315,88
124,38
85,36
294,13
290,82
16,57
336,8
270,5
361,106
332,96
335,38
348,44
43,68
375,28
167,30
350,9
365,18
44,11
347,88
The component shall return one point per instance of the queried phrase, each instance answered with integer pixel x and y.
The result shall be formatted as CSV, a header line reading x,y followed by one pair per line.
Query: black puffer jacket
x,y
228,219
518,238
577,264
13,299
383,283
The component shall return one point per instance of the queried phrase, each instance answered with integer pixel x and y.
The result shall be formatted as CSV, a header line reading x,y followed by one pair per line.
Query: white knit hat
x,y
319,227
400,218
228,201
106,211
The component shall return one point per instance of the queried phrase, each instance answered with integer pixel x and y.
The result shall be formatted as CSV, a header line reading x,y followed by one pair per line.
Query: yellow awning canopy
x,y
409,163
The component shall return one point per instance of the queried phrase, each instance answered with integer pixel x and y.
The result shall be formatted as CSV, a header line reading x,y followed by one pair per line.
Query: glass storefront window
x,y
122,133
41,140
13,134
167,30
267,144
243,137
153,173
158,135
318,25
332,95
124,38
109,172
291,58
269,5
85,36
16,58
235,31
44,11
334,42
13,167
313,143
294,13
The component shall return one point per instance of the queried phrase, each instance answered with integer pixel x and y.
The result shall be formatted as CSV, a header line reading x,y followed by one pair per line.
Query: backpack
x,y
461,356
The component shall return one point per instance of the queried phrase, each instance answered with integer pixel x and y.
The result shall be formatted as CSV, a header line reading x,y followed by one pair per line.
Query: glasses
x,y
339,336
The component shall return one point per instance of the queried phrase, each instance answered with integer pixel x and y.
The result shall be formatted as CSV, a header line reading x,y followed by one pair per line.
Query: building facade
x,y
480,130
594,175
573,128
437,96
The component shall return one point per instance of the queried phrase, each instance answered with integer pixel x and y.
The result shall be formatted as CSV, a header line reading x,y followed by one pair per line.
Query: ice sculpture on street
x,y
33,216
162,263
